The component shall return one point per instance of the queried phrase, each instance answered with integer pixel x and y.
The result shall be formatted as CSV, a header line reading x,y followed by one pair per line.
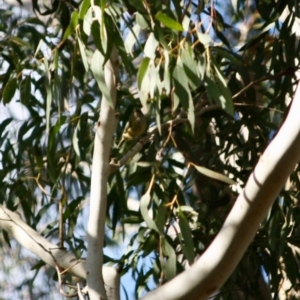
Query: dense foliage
x,y
214,79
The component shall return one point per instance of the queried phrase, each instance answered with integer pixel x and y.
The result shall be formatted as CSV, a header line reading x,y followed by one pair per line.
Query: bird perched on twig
x,y
136,126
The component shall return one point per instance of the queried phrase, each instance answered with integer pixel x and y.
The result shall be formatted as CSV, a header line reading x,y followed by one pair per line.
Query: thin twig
x,y
285,72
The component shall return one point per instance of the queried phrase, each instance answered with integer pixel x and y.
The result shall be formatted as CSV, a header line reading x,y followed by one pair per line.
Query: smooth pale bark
x,y
100,171
51,254
214,267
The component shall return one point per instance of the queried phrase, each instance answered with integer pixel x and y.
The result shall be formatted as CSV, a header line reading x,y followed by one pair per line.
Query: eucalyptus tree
x,y
215,82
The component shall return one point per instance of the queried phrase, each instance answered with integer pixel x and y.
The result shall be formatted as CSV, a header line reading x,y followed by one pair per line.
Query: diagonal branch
x,y
217,263
51,254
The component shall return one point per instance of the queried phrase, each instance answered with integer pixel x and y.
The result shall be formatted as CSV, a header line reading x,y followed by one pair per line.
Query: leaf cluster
x,y
215,96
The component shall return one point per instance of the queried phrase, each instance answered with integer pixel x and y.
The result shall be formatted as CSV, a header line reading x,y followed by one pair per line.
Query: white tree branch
x,y
100,171
217,263
51,254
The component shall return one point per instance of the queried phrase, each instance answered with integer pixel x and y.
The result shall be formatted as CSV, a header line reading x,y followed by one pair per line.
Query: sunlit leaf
x,y
84,6
88,21
142,71
182,93
214,175
144,203
98,72
204,39
132,37
168,22
73,23
151,45
190,68
222,85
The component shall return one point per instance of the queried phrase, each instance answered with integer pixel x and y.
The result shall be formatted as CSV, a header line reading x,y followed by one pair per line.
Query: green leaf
x,y
150,46
132,220
188,247
161,217
49,99
182,93
186,18
204,39
99,42
51,150
131,38
82,50
75,139
9,90
87,22
222,85
167,76
98,72
140,20
219,94
150,244
72,26
157,114
19,42
142,71
84,6
168,22
145,201
190,68
214,175
170,265
25,90
231,56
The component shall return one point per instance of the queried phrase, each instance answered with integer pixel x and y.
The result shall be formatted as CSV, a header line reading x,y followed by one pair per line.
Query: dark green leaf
x,y
9,90
188,247
25,90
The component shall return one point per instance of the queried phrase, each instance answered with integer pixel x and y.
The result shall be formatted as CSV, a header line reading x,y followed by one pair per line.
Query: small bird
x,y
136,126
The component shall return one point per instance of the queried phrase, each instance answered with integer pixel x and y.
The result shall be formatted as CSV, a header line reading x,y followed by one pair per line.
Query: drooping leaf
x,y
72,25
84,6
182,93
188,247
214,175
9,90
144,203
190,68
142,71
98,72
170,265
150,46
82,50
25,90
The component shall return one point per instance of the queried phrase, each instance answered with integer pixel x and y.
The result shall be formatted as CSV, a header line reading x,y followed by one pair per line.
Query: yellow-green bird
x,y
136,126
